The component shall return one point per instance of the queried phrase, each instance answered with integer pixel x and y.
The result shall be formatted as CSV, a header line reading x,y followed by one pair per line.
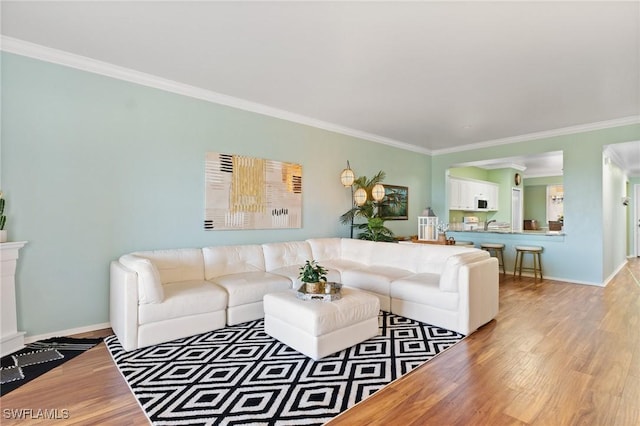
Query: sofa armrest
x,y
149,285
123,305
478,284
449,277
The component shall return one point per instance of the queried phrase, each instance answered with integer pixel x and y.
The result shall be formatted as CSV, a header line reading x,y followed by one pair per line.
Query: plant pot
x,y
312,287
3,236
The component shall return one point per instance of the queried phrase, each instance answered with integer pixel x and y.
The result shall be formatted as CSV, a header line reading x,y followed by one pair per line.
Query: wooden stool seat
x,y
465,243
498,249
537,261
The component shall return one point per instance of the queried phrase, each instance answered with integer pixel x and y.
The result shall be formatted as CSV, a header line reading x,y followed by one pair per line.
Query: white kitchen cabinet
x,y
463,194
454,194
493,194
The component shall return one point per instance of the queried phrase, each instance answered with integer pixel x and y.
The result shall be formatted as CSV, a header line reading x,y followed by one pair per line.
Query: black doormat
x,y
39,357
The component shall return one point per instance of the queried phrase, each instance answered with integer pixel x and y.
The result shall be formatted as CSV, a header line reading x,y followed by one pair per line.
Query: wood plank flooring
x,y
557,354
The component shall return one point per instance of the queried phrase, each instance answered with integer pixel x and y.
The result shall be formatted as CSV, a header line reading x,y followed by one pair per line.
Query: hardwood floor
x,y
557,354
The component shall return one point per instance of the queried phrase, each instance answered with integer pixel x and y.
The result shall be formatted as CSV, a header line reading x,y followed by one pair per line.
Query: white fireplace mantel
x,y
11,339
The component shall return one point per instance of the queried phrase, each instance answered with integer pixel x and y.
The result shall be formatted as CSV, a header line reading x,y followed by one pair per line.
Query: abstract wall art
x,y
251,193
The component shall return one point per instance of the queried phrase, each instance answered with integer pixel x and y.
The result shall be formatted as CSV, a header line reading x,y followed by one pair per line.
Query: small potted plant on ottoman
x,y
312,275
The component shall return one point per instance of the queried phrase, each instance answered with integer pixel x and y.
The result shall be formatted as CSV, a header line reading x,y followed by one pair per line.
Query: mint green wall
x,y
504,178
614,184
469,173
547,180
94,167
535,203
535,197
631,221
582,250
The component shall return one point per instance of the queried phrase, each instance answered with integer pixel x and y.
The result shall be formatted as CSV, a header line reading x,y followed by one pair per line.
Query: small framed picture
x,y
395,204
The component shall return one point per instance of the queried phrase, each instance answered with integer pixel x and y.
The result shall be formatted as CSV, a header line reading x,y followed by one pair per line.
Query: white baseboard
x,y
614,273
566,280
69,332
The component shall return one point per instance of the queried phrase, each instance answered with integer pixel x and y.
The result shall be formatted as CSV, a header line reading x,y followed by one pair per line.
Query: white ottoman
x,y
317,328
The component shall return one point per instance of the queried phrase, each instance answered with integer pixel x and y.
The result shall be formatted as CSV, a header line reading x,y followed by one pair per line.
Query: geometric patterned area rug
x,y
239,375
39,357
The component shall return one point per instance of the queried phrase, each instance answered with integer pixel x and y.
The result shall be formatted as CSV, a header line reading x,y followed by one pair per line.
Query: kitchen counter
x,y
554,252
499,231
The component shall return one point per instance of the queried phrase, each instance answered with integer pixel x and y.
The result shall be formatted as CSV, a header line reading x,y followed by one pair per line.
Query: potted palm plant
x,y
373,229
313,275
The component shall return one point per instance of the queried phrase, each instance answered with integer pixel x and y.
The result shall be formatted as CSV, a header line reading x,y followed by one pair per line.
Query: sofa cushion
x,y
182,299
250,287
279,255
357,250
373,278
325,248
449,276
394,255
340,265
227,260
149,285
424,289
176,265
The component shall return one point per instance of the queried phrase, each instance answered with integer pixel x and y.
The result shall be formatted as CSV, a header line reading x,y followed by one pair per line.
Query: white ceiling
x,y
433,76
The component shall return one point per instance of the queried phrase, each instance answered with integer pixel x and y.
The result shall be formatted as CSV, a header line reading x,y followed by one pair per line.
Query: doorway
x,y
516,209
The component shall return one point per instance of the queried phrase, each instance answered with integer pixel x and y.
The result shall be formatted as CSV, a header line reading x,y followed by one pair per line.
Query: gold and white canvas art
x,y
251,193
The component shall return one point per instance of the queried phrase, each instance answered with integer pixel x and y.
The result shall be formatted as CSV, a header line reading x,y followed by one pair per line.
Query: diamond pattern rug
x,y
239,375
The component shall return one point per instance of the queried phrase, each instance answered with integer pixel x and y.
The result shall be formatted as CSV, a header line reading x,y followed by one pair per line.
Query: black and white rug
x,y
239,375
39,357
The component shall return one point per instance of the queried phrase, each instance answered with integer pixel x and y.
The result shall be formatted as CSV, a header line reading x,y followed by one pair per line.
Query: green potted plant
x,y
312,275
374,228
3,220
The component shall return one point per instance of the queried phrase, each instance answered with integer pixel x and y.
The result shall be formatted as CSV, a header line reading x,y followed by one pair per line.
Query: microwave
x,y
481,203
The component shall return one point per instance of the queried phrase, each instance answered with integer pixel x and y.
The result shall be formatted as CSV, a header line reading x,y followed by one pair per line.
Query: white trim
x,y
564,280
615,158
32,50
614,273
634,119
36,51
69,332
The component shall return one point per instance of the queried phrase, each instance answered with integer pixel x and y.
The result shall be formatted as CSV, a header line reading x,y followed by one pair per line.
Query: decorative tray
x,y
326,292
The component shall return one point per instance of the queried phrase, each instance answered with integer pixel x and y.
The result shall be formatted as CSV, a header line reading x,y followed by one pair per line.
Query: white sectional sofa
x,y
162,295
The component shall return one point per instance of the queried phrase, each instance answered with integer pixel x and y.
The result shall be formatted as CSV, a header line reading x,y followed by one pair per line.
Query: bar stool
x,y
496,248
465,243
537,262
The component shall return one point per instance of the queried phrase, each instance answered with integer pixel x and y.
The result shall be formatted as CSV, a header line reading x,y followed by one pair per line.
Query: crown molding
x,y
634,119
59,57
47,54
514,166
